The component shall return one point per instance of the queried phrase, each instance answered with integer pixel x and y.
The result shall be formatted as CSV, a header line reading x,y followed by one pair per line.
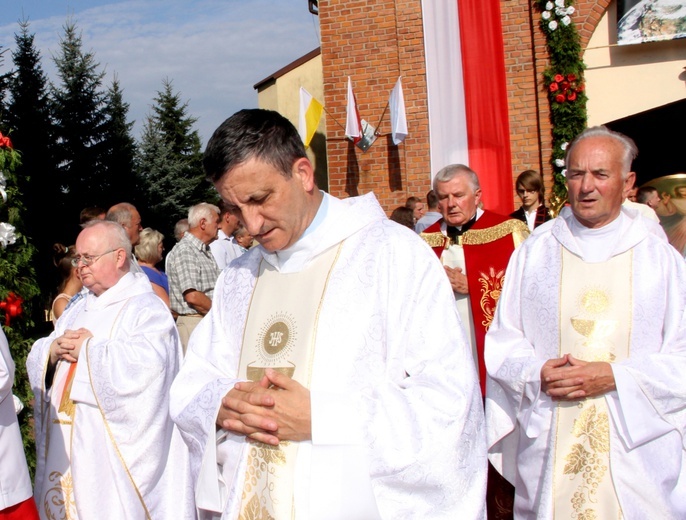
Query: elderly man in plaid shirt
x,y
192,270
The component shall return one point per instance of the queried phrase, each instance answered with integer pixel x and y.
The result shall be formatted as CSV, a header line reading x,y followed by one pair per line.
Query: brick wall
x,y
374,42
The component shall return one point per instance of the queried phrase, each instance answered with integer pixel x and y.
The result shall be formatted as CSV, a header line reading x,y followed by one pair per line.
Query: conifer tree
x,y
29,119
170,162
120,148
80,119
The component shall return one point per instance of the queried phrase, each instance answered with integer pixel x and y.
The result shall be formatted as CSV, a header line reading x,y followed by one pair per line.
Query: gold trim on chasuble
x,y
491,287
58,502
280,333
595,325
477,237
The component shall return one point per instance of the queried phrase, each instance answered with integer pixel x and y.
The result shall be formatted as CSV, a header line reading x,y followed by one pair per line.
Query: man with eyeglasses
x,y
101,382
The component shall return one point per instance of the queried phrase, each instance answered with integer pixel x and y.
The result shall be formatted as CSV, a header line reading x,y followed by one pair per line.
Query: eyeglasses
x,y
88,259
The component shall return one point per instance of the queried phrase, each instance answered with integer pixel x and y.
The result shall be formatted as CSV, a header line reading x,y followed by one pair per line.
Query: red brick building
x,y
375,42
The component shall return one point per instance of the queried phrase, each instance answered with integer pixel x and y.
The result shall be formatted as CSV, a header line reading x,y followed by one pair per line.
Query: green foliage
x,y
120,148
169,162
28,116
79,113
564,83
17,276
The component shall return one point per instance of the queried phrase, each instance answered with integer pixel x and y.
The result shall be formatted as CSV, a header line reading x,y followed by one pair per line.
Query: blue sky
x,y
214,51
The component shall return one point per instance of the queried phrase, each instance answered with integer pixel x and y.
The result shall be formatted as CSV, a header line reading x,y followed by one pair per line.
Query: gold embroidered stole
x,y
595,325
280,333
58,488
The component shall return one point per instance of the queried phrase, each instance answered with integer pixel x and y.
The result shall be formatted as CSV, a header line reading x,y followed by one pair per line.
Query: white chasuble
x,y
280,333
595,325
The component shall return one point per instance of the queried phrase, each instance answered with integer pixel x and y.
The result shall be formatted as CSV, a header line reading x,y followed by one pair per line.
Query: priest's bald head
x,y
598,175
102,257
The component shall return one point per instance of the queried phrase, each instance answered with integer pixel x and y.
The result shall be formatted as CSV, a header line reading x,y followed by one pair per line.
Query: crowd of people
x,y
472,366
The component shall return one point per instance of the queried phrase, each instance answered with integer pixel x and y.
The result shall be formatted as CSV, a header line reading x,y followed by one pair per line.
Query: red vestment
x,y
487,245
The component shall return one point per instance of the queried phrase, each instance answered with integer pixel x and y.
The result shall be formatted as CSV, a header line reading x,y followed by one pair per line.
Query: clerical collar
x,y
319,216
456,231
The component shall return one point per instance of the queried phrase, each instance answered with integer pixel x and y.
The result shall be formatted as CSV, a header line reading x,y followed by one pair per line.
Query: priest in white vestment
x,y
587,354
331,378
106,446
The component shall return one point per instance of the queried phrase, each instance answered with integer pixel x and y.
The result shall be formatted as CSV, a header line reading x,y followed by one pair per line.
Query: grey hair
x,y
453,170
200,211
629,148
116,234
146,250
180,228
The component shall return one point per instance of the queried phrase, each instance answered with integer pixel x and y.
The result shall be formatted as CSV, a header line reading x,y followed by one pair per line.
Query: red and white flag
x,y
353,125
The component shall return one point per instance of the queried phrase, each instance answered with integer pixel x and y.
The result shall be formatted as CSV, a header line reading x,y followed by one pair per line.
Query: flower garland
x,y
12,304
564,83
8,158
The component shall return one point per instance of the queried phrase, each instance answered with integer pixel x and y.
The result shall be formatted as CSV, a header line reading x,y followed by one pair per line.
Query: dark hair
x,y
643,194
253,134
91,213
531,180
411,202
62,257
403,215
431,199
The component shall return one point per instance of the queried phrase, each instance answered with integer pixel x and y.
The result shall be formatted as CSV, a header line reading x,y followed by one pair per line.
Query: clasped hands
x,y
457,279
274,409
570,379
68,345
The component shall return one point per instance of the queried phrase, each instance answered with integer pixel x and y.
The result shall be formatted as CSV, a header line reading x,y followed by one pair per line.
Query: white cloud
x,y
213,51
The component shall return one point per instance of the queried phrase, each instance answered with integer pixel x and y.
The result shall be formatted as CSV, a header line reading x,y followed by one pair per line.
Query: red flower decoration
x,y
12,307
560,98
571,96
559,77
571,77
553,87
565,86
5,141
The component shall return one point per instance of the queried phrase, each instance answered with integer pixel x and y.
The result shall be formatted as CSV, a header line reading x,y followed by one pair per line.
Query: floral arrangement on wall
x,y
564,83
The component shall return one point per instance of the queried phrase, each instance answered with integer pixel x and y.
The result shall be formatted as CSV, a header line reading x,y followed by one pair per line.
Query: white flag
x,y
353,125
310,114
398,117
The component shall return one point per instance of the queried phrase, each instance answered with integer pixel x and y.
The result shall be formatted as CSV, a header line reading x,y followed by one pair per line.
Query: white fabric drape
x,y
444,77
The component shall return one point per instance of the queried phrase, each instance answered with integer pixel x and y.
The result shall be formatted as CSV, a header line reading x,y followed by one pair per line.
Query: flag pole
x,y
381,118
333,118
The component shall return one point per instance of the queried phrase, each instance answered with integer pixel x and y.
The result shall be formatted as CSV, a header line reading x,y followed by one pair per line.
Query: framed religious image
x,y
672,207
368,136
641,21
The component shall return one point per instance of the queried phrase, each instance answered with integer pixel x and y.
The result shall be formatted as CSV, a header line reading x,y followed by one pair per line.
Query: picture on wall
x,y
640,21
